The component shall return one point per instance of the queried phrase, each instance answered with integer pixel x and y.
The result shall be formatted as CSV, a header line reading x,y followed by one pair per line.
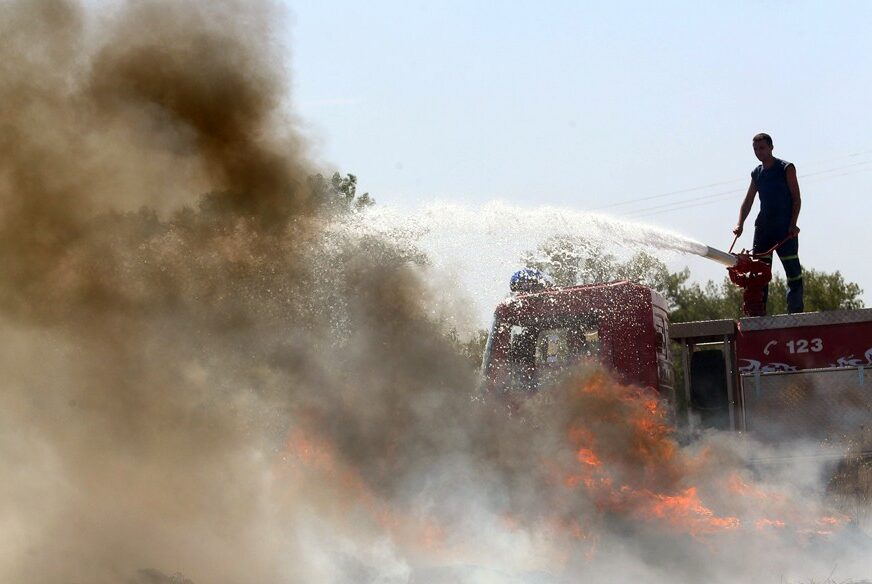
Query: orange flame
x,y
737,486
653,472
686,510
318,455
640,418
587,456
762,524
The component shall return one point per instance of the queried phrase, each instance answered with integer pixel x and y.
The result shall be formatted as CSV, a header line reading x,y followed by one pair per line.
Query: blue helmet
x,y
529,280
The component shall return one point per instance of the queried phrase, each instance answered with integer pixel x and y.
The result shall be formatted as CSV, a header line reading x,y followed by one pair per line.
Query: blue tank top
x,y
776,202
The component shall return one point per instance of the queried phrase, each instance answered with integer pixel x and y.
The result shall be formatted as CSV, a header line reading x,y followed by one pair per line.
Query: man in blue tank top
x,y
776,181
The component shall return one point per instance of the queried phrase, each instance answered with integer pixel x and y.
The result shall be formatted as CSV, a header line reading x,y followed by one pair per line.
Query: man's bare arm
x,y
793,185
746,208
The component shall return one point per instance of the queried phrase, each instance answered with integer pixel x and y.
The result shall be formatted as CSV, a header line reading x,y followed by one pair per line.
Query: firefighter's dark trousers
x,y
764,239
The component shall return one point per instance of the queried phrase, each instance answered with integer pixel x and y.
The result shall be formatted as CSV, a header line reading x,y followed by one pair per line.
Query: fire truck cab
x,y
622,325
780,377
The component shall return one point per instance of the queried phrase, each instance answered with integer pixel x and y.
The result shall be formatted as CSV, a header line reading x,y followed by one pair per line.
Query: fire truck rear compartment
x,y
781,378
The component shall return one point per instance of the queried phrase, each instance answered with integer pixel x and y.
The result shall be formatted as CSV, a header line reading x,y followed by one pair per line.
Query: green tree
x,y
573,260
471,347
823,291
692,301
339,193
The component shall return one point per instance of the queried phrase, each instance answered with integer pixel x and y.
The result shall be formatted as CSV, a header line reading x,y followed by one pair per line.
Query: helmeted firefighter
x,y
775,180
529,280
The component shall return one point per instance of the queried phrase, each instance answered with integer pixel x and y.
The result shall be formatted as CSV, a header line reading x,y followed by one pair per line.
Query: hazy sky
x,y
585,105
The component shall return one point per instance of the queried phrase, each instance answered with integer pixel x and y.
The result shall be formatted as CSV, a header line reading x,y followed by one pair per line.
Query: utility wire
x,y
661,195
835,169
733,192
724,195
726,182
687,203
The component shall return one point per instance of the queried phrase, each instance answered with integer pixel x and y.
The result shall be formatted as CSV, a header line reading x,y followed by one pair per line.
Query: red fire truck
x,y
786,376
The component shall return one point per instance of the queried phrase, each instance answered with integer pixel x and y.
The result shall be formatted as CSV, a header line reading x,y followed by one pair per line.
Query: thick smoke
x,y
162,346
140,397
206,379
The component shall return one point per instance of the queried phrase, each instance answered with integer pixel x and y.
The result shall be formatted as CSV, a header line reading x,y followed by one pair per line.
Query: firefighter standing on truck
x,y
776,181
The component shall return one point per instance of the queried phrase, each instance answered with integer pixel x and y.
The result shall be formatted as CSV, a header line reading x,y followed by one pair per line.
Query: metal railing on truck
x,y
831,405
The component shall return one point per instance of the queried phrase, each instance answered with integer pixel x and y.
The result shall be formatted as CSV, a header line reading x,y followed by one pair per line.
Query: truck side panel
x,y
805,347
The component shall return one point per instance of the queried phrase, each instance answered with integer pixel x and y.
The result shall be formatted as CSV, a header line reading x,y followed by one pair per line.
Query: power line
x,y
687,203
815,176
727,182
724,195
834,169
670,193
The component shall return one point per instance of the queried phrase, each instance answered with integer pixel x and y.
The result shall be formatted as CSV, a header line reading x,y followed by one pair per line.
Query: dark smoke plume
x,y
161,345
138,401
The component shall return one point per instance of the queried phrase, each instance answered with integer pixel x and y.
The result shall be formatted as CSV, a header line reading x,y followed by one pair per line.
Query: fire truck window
x,y
591,343
521,344
662,337
538,354
522,349
552,347
565,345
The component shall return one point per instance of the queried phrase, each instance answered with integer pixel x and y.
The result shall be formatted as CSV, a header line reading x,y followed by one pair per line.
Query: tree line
x,y
571,260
